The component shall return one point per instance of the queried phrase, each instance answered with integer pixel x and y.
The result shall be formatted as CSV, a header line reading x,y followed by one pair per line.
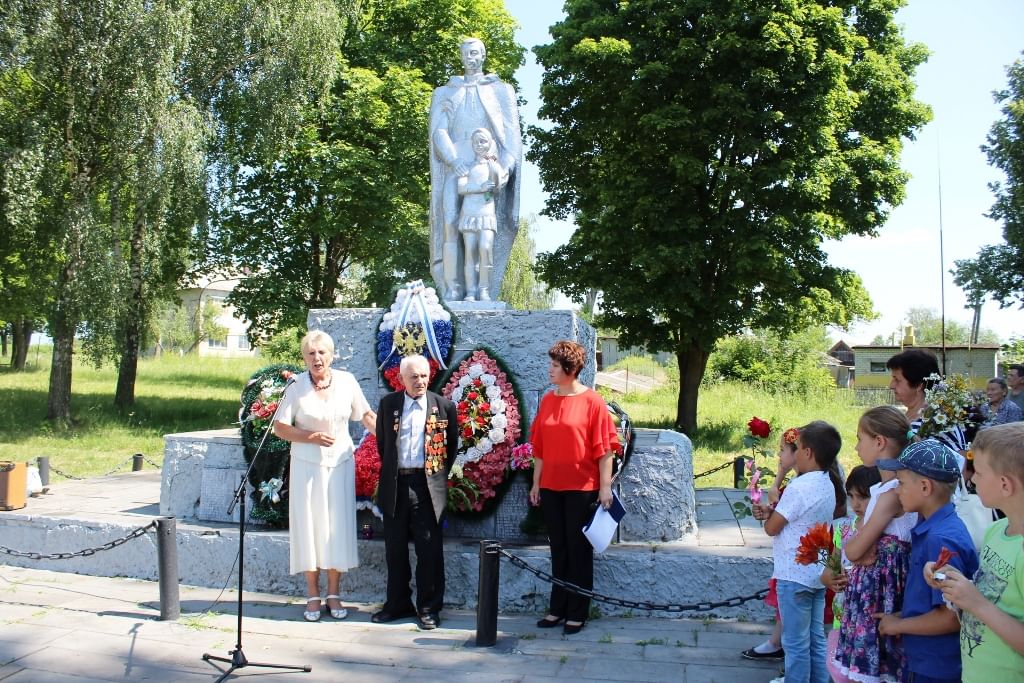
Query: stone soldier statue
x,y
465,104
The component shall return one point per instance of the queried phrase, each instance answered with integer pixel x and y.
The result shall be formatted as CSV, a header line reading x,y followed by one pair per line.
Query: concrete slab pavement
x,y
68,628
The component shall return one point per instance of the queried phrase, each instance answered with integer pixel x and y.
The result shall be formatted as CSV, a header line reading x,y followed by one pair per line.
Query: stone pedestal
x,y
202,468
200,473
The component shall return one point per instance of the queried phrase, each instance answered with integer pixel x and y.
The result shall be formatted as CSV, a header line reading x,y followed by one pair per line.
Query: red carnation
x,y
472,396
467,431
759,427
485,406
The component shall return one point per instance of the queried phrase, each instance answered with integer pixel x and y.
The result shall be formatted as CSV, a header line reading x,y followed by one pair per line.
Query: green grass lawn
x,y
173,394
723,411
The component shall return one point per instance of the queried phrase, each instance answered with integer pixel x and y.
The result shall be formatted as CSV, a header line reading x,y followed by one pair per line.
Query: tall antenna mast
x,y
942,260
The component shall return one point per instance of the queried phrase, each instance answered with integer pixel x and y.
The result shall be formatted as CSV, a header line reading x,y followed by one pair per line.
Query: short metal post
x,y
43,461
739,467
487,594
167,558
137,462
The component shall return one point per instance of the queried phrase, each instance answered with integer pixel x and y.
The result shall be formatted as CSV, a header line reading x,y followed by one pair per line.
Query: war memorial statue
x,y
474,194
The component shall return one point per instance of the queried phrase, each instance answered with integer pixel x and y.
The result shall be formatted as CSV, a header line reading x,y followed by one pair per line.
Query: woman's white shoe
x,y
313,614
339,613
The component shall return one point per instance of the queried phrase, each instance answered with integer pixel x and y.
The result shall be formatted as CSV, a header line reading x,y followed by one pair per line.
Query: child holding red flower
x,y
772,647
810,499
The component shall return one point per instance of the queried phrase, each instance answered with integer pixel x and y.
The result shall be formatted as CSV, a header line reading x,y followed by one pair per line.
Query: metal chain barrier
x,y
65,474
721,467
117,469
632,604
141,531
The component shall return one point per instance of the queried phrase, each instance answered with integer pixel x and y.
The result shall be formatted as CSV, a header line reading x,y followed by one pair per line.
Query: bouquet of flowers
x,y
489,426
367,463
522,457
947,404
817,547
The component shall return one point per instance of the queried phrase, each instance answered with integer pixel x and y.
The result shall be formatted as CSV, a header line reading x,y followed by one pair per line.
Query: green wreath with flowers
x,y
269,475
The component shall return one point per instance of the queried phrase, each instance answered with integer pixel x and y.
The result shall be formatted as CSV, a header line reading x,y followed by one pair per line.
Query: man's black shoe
x,y
428,621
385,617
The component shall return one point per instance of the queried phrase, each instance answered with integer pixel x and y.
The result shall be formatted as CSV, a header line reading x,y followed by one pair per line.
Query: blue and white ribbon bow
x,y
415,310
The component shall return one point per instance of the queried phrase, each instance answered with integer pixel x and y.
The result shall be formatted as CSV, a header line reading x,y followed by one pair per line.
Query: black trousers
x,y
414,518
572,556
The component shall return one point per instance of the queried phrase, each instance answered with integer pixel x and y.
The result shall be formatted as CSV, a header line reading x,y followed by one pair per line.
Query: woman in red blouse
x,y
573,436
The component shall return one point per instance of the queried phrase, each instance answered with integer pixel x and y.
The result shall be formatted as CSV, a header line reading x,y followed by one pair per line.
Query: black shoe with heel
x,y
573,629
550,623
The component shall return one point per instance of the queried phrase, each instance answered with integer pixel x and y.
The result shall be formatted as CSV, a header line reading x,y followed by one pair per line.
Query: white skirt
x,y
322,516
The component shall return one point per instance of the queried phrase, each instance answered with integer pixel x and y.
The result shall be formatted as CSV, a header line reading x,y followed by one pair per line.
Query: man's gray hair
x,y
414,359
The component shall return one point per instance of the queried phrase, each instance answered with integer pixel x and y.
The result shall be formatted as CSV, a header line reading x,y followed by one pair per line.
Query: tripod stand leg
x,y
238,661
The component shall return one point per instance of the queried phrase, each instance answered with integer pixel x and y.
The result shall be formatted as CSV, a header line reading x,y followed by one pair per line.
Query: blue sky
x,y
971,45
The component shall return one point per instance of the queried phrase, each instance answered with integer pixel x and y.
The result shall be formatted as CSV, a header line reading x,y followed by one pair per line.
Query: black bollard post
x,y
739,466
137,462
487,594
43,461
167,559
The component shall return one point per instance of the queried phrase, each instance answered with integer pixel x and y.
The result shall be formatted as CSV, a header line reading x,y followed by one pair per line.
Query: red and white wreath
x,y
489,426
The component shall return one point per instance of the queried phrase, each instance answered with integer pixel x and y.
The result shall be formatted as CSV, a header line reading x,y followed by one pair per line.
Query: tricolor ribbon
x,y
415,310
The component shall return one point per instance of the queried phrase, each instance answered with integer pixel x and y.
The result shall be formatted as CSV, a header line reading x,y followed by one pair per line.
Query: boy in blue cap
x,y
928,473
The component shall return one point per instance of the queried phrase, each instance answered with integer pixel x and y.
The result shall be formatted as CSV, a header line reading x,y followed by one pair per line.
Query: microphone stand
x,y
237,660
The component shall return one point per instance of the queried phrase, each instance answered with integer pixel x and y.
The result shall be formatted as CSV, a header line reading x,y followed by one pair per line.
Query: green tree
x,y
778,362
998,270
740,136
131,109
928,329
520,288
349,197
178,328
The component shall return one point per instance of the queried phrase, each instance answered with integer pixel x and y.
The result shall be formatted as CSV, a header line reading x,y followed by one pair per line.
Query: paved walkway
x,y
67,628
62,628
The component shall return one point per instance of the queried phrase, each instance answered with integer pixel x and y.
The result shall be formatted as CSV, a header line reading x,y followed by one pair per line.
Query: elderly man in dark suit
x,y
417,436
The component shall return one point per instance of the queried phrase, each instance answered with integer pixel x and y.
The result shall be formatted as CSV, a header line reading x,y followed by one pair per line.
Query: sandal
x,y
312,614
339,613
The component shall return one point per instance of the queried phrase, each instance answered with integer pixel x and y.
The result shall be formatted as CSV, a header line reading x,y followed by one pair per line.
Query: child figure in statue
x,y
477,221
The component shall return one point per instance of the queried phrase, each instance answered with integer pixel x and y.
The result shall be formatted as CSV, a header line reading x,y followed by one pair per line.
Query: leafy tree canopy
x,y
998,270
351,194
706,150
774,361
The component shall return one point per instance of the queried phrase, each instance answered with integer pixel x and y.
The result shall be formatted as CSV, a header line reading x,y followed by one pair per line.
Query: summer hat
x,y
929,458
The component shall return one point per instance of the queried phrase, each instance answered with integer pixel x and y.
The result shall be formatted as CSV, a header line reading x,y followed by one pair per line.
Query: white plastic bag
x,y
33,484
975,516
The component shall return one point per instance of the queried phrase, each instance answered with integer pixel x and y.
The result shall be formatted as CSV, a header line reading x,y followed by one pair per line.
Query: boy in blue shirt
x,y
928,473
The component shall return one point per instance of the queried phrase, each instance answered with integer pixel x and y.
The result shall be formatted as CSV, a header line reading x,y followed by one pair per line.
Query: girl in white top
x,y
314,416
810,499
880,553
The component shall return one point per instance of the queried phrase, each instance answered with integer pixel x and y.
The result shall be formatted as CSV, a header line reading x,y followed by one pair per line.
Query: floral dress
x,y
862,653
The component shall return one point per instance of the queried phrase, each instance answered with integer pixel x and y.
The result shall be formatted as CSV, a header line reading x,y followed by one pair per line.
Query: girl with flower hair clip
x,y
810,500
